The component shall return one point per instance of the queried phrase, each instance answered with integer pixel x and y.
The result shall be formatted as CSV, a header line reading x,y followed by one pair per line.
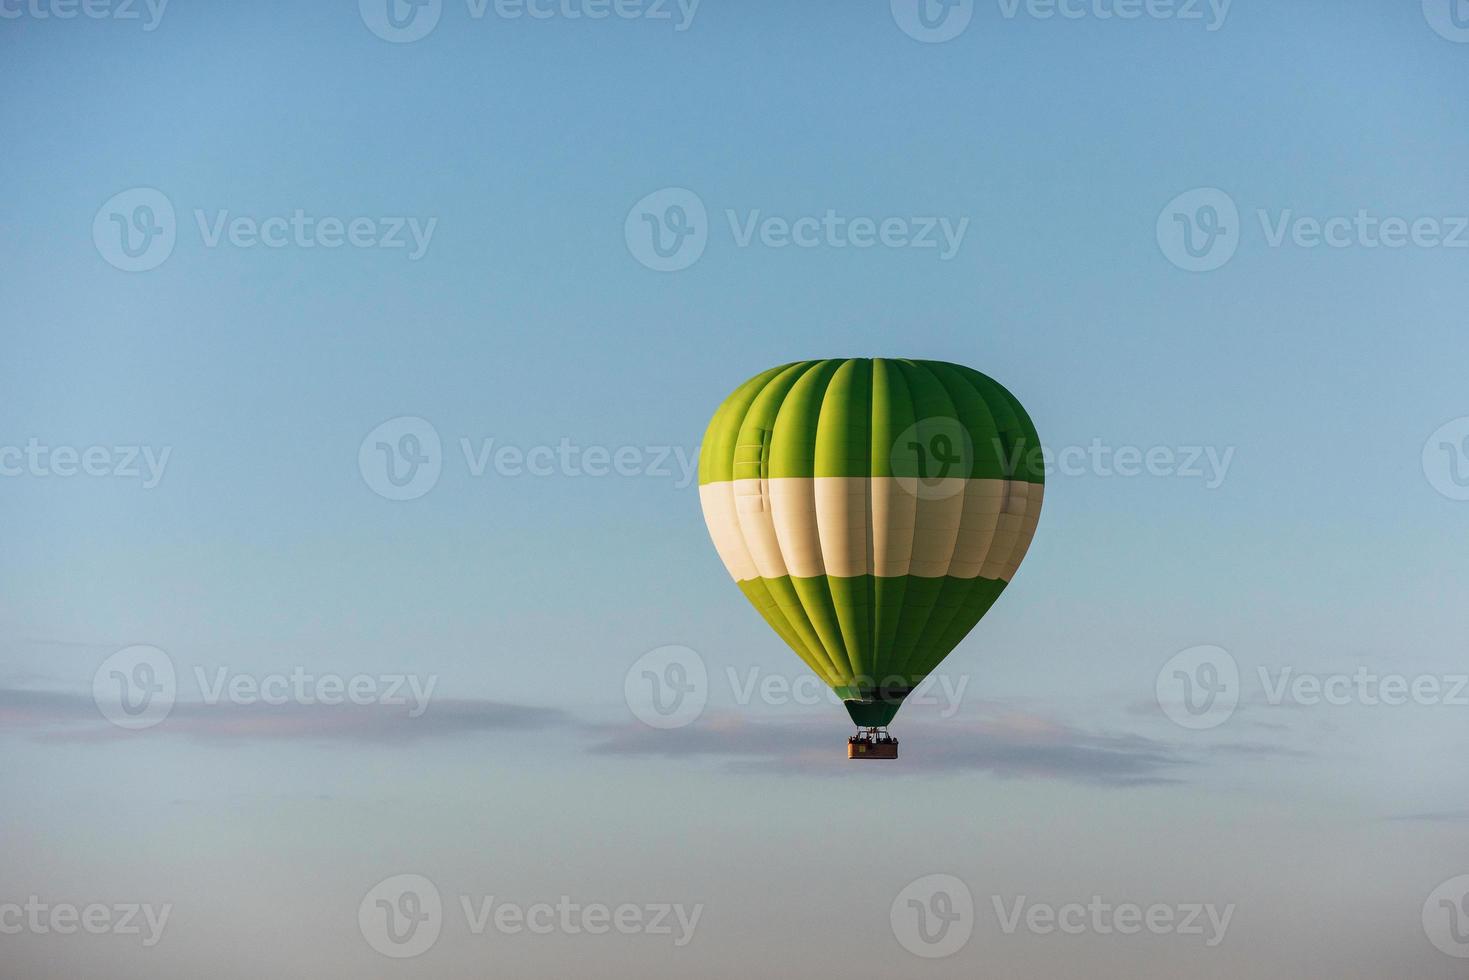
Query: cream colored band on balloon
x,y
857,525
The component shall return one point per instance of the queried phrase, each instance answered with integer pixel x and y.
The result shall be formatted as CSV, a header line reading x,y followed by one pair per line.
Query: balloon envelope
x,y
872,510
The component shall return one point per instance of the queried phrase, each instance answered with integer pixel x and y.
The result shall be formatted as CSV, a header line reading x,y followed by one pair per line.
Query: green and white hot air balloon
x,y
872,510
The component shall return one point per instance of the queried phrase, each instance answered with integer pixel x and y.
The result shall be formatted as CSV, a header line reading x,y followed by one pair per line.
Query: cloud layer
x,y
991,738
1011,744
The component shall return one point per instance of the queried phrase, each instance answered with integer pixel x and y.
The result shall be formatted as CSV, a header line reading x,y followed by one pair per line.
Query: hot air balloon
x,y
872,510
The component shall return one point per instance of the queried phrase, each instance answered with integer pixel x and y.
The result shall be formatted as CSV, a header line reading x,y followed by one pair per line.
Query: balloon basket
x,y
872,743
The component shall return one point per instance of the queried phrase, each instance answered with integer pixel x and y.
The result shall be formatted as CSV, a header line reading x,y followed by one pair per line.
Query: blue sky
x,y
518,147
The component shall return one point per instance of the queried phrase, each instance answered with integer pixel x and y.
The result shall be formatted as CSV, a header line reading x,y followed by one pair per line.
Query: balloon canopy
x,y
872,510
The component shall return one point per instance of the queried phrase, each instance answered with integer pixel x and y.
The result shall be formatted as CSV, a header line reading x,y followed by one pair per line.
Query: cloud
x,y
1255,750
25,708
61,716
1440,816
995,738
1011,744
367,722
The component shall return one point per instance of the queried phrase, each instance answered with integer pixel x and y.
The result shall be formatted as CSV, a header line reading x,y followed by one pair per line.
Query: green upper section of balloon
x,y
871,417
